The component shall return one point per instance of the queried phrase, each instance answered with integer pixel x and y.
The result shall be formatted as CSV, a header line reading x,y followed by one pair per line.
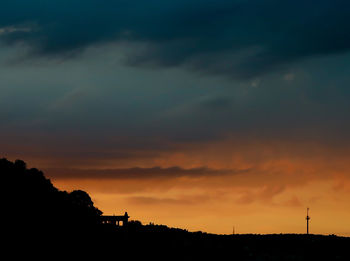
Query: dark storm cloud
x,y
239,38
140,173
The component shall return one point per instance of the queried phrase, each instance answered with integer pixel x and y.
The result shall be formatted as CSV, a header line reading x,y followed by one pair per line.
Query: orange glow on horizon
x,y
271,198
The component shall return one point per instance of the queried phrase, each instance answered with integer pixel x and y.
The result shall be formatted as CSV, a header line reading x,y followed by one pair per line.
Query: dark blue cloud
x,y
242,39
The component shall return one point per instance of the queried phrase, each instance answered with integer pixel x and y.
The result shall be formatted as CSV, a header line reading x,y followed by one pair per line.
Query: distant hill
x,y
41,219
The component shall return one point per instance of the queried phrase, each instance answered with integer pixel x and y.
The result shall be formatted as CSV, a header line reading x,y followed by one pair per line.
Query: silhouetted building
x,y
115,220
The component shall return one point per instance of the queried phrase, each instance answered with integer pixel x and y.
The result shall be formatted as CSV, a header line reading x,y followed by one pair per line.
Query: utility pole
x,y
307,221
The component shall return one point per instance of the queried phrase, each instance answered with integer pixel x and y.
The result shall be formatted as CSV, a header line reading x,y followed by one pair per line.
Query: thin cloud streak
x,y
141,173
189,200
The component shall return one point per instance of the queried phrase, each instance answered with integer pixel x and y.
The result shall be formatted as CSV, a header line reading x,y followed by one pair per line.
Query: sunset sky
x,y
197,114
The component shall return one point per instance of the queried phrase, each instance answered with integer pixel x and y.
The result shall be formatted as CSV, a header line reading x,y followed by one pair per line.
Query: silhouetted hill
x,y
32,202
42,221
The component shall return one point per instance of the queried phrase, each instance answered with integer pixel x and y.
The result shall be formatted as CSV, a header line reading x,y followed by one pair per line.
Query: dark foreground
x,y
161,243
43,223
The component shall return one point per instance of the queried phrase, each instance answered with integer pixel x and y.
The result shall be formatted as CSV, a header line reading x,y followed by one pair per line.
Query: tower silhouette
x,y
307,221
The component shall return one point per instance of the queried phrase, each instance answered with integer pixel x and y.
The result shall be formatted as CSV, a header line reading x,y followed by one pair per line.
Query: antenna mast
x,y
307,221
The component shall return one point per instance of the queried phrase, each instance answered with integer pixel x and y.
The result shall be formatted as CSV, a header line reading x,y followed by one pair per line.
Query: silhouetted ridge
x,y
33,203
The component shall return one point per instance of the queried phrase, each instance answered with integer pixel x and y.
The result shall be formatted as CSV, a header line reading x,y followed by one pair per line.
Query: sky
x,y
204,115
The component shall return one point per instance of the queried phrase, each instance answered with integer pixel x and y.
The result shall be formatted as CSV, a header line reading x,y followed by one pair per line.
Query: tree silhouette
x,y
32,201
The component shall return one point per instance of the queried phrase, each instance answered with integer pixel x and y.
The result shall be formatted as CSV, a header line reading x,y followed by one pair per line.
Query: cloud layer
x,y
242,39
139,173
